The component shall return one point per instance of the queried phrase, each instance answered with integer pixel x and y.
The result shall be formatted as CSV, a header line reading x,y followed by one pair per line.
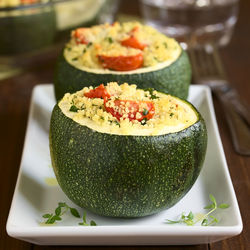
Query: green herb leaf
x,y
215,220
75,59
213,200
52,218
152,95
209,206
74,212
204,222
73,108
84,221
89,44
223,205
172,221
145,112
47,215
84,217
144,121
58,210
56,217
171,115
110,39
117,123
93,223
190,216
62,204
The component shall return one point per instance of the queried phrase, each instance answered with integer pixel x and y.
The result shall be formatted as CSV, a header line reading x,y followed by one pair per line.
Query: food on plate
x,y
123,52
26,26
126,152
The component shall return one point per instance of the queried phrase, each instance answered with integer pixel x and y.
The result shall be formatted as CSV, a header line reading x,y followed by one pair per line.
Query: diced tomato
x,y
121,63
133,43
99,92
133,108
79,36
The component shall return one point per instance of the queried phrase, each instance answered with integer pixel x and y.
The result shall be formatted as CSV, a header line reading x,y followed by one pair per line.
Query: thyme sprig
x,y
205,219
63,208
84,221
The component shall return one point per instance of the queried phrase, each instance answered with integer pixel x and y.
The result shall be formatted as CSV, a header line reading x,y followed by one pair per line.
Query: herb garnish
x,y
152,95
204,219
61,210
75,58
89,44
145,112
165,44
144,121
171,114
117,123
73,108
84,221
110,39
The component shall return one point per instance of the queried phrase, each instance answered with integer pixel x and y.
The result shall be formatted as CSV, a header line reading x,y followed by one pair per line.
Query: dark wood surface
x,y
15,96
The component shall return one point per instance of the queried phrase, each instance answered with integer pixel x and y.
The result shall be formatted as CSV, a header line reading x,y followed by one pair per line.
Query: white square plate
x,y
37,193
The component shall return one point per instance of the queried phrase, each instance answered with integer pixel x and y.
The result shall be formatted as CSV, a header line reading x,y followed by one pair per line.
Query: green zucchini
x,y
174,79
27,30
125,175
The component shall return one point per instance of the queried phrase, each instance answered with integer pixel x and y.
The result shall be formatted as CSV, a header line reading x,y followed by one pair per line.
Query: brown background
x,y
15,95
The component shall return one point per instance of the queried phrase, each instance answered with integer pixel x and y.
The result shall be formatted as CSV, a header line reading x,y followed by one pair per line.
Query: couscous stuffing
x,y
124,109
120,47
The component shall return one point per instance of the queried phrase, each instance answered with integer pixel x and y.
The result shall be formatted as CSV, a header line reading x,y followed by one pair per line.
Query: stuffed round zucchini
x,y
126,152
129,52
26,26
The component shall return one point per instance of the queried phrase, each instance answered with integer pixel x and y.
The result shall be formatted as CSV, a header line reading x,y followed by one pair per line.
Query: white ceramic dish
x,y
34,195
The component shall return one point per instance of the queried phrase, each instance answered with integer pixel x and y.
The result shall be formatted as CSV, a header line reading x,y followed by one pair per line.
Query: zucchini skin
x,y
173,79
125,176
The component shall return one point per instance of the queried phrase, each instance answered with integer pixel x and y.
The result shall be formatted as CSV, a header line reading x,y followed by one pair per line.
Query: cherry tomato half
x,y
133,108
99,92
121,63
79,36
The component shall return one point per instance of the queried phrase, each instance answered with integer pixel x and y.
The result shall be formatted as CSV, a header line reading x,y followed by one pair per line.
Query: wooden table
x,y
15,96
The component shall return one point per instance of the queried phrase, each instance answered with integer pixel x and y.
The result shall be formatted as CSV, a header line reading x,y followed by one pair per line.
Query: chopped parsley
x,y
73,108
144,121
117,123
152,95
75,59
89,44
171,115
145,112
110,40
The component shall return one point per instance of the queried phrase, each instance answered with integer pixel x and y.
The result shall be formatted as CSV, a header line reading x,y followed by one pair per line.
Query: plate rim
x,y
128,230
